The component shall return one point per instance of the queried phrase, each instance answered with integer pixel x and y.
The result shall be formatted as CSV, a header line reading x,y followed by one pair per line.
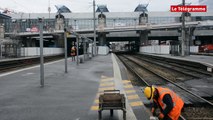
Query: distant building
x,y
209,4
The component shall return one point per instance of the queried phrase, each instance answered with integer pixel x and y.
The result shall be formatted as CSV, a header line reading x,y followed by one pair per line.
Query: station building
x,y
24,22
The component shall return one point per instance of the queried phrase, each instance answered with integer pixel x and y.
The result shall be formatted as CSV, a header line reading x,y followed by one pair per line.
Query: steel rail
x,y
210,103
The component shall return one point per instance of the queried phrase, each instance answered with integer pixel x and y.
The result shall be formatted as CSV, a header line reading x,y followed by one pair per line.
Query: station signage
x,y
188,8
34,29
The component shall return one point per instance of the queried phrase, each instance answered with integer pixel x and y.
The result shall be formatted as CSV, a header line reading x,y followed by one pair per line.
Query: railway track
x,y
181,67
22,63
195,107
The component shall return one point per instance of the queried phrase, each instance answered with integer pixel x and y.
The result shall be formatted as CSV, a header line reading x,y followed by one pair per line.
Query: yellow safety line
x,y
130,97
94,107
128,86
102,77
107,79
126,81
107,84
137,103
130,91
97,101
106,88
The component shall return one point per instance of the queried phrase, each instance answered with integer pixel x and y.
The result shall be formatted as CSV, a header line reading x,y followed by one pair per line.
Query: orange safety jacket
x,y
177,102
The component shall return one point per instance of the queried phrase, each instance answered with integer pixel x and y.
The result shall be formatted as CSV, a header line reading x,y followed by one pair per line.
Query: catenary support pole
x,y
77,51
84,47
183,33
41,53
94,27
65,49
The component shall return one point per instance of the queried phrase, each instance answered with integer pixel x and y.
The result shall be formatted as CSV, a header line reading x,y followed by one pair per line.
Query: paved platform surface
x,y
71,96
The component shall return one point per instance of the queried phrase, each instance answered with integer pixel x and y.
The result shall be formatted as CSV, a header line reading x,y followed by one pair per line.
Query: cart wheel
x,y
111,112
124,115
99,115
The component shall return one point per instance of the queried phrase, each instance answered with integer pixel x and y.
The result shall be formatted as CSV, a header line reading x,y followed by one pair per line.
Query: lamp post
x,y
75,24
77,46
94,27
41,53
49,9
0,50
183,33
65,49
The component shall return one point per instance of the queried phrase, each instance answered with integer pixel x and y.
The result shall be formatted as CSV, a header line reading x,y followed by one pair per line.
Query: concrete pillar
x,y
59,41
143,18
33,43
60,22
159,42
188,38
189,41
101,25
1,31
188,17
27,41
30,42
102,39
188,34
129,45
137,46
143,37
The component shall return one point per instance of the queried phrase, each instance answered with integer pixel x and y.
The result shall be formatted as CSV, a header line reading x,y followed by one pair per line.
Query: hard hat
x,y
149,92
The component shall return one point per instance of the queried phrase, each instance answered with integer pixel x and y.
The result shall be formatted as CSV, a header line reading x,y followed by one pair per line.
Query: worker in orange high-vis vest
x,y
170,103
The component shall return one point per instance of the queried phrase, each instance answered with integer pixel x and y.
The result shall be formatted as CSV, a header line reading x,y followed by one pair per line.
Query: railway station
x,y
96,65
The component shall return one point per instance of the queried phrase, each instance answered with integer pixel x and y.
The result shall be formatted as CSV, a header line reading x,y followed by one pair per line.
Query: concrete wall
x,y
157,49
33,51
164,49
103,50
194,49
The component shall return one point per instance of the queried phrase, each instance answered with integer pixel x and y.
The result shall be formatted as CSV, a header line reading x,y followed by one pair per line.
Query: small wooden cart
x,y
112,100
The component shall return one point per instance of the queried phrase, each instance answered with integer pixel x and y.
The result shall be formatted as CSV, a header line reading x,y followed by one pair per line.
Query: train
x,y
207,48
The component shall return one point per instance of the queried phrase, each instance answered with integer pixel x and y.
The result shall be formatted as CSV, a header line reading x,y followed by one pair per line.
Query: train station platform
x,y
204,60
67,96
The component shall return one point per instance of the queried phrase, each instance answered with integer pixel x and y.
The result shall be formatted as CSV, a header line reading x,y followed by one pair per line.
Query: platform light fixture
x,y
183,32
65,49
94,27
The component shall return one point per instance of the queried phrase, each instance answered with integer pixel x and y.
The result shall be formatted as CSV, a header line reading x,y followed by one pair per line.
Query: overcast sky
x,y
41,6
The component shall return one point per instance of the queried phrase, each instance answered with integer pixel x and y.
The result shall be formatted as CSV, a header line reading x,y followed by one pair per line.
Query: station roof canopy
x,y
3,16
62,9
141,8
102,8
